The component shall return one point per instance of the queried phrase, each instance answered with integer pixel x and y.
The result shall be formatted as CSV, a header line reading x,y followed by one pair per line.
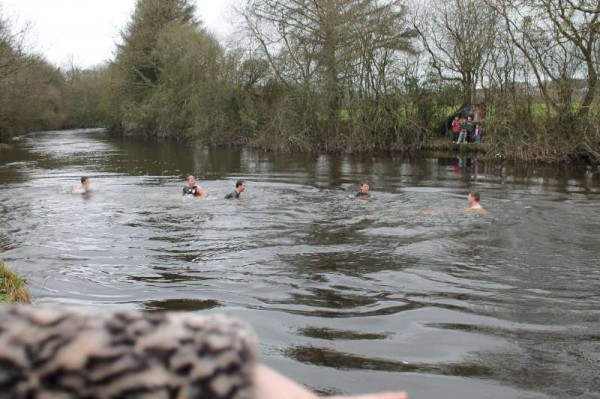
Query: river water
x,y
402,291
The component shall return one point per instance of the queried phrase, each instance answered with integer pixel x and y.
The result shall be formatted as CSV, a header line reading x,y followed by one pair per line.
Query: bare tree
x,y
330,47
13,49
459,36
559,39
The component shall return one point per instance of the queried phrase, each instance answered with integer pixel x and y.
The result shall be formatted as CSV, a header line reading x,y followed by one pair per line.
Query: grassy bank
x,y
445,144
547,149
13,288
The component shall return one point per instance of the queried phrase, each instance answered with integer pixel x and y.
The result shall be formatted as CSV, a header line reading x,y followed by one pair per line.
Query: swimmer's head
x,y
474,197
191,180
365,185
240,185
85,181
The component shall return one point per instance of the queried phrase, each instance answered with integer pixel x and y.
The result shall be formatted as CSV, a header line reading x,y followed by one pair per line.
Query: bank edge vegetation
x,y
13,288
330,75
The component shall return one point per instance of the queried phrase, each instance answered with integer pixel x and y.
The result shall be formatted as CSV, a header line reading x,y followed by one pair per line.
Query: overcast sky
x,y
88,29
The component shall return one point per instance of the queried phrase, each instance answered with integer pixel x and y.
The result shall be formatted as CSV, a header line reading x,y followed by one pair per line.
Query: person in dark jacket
x,y
470,126
240,187
364,190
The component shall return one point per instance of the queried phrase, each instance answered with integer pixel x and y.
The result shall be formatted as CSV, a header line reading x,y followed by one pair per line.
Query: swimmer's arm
x,y
201,193
474,211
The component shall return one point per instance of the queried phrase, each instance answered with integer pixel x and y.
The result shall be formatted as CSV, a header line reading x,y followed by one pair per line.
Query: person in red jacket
x,y
192,188
455,129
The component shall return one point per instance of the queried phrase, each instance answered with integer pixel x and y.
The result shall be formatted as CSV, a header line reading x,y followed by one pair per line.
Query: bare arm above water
x,y
272,385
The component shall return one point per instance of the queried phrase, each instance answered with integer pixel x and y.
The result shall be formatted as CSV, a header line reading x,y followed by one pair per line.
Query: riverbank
x,y
445,144
531,152
13,288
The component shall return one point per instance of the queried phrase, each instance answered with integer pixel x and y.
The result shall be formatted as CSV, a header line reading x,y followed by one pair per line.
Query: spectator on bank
x,y
470,126
455,129
478,133
463,132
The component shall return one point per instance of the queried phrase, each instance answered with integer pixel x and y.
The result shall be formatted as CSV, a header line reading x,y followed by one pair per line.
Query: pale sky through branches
x,y
87,30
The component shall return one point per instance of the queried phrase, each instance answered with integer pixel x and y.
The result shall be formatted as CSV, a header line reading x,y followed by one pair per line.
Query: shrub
x,y
13,288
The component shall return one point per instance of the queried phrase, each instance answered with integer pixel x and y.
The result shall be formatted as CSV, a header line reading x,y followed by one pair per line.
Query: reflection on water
x,y
331,334
402,291
331,358
186,305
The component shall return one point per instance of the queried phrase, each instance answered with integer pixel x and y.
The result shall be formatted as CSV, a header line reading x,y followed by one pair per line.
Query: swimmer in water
x,y
473,200
193,189
240,187
364,190
84,187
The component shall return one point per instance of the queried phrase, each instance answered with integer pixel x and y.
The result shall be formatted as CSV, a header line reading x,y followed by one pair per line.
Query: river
x,y
401,291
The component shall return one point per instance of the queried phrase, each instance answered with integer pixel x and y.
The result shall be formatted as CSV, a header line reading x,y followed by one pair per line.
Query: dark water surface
x,y
399,292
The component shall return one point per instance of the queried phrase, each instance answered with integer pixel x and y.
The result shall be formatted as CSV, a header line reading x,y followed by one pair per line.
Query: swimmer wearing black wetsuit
x,y
364,190
240,187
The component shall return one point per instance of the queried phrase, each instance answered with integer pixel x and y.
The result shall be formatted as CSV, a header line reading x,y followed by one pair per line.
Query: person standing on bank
x,y
240,187
470,126
462,137
193,189
455,129
478,133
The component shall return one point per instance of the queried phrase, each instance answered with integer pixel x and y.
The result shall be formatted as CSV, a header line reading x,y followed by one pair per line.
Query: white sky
x,y
87,30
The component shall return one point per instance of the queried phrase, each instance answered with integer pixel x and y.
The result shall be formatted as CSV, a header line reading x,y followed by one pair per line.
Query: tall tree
x,y
136,72
13,54
30,88
186,100
137,63
459,36
560,40
321,45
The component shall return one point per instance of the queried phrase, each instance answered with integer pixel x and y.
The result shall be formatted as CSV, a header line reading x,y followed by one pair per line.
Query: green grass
x,y
13,288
